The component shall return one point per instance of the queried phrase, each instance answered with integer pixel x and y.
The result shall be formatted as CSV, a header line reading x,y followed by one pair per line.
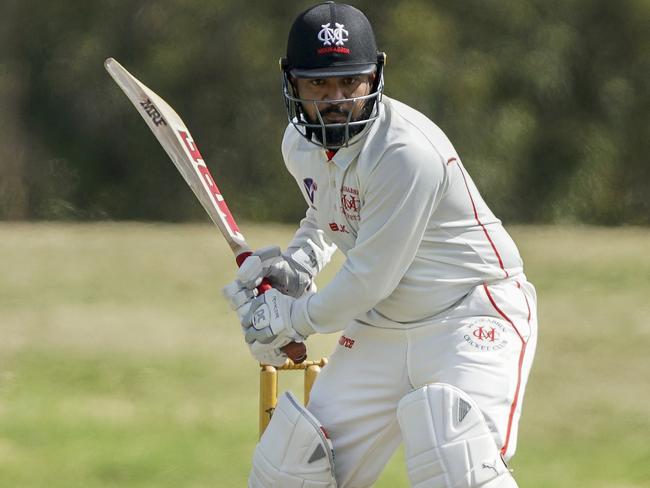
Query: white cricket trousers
x,y
484,346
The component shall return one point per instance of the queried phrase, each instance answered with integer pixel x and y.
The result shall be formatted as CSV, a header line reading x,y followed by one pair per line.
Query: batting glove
x,y
268,321
291,274
239,297
267,354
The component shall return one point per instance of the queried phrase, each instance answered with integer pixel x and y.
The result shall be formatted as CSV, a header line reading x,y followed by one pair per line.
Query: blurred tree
x,y
546,101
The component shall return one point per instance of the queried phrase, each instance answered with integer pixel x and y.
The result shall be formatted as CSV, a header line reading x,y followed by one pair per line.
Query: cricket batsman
x,y
438,320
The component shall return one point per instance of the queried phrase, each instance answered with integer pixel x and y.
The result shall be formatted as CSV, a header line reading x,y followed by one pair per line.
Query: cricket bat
x,y
178,143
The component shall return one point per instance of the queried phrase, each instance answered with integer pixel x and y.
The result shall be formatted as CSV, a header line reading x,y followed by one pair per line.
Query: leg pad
x,y
448,443
294,451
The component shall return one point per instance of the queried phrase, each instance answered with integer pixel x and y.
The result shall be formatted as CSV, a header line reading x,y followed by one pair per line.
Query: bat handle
x,y
264,286
296,351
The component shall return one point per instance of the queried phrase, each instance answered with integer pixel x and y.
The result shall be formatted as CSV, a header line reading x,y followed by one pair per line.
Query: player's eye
x,y
317,82
350,80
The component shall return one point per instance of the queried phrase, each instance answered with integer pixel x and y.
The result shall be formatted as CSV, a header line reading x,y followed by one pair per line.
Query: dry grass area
x,y
120,364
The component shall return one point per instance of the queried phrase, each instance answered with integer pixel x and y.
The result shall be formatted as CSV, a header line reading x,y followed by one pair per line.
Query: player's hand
x,y
265,332
268,320
240,299
267,354
290,274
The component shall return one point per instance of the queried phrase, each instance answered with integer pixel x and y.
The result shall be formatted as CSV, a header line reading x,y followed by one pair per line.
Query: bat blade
x,y
178,143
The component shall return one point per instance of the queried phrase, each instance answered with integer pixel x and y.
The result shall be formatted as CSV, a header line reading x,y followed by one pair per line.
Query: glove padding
x,y
240,299
265,320
291,274
241,295
268,320
267,354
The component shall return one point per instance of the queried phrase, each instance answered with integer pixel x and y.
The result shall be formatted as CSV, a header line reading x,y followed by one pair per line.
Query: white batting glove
x,y
291,274
239,297
267,354
268,321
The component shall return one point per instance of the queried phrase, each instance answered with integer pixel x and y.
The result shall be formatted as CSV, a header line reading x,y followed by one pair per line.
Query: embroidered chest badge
x,y
350,203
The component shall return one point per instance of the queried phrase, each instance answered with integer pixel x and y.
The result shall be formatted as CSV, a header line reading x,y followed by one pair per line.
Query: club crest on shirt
x,y
486,334
310,188
350,203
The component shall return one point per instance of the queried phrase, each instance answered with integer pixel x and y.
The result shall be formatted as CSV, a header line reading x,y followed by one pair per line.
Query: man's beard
x,y
336,136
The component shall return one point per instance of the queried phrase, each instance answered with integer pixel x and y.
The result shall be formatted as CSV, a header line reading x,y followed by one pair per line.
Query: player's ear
x,y
284,67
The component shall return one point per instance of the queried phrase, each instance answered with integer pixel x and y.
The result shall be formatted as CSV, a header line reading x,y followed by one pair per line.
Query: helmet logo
x,y
338,36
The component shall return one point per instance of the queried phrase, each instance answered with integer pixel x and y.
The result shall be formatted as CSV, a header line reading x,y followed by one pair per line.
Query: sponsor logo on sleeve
x,y
346,342
334,227
310,188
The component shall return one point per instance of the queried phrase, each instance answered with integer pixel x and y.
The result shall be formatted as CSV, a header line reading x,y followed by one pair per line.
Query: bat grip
x,y
264,286
296,351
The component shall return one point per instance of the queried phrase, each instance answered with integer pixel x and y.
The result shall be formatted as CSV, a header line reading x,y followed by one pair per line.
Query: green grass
x,y
120,364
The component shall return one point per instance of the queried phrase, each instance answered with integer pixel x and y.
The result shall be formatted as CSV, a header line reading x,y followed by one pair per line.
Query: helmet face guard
x,y
341,134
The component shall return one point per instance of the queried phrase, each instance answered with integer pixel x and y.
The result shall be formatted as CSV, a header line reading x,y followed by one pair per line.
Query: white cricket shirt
x,y
415,231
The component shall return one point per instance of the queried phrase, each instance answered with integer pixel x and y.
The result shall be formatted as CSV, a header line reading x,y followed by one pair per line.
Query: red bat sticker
x,y
194,153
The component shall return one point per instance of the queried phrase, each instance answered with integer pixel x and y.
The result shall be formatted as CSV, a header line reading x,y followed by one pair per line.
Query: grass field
x,y
120,364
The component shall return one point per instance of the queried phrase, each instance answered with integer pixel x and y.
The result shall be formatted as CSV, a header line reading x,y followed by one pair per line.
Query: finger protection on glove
x,y
291,274
237,294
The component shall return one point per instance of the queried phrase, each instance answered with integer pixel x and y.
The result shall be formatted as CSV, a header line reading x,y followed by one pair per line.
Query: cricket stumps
x,y
269,385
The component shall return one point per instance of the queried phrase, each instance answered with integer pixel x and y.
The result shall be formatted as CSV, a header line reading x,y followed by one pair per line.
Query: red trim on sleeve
x,y
513,406
478,221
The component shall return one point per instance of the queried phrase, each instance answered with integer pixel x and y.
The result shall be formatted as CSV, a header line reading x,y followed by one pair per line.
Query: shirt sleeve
x,y
399,197
310,246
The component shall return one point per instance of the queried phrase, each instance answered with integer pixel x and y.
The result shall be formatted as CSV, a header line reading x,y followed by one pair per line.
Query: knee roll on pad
x,y
448,443
294,451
